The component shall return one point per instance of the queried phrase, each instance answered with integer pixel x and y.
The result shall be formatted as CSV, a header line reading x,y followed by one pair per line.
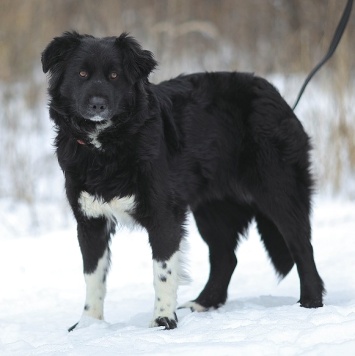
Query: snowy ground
x,y
42,293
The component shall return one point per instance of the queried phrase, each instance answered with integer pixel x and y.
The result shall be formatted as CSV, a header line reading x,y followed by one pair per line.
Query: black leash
x,y
333,45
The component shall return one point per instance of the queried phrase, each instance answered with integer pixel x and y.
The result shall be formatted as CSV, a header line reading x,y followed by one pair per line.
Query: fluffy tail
x,y
275,246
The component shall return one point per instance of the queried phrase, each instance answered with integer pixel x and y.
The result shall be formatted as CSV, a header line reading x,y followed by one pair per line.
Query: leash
x,y
333,45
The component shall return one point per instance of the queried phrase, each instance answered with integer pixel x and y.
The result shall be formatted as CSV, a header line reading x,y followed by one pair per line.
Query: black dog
x,y
224,145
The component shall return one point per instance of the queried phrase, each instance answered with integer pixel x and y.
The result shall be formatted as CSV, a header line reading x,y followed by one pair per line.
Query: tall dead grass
x,y
262,36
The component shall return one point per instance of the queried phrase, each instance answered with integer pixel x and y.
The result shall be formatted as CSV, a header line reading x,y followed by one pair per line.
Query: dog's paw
x,y
193,306
167,322
86,321
311,303
73,327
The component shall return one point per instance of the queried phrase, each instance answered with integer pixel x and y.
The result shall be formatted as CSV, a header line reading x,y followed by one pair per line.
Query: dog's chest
x,y
119,210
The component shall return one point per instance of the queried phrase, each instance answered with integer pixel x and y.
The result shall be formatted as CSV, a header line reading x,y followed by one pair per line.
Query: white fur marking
x,y
118,209
99,128
96,289
195,307
166,280
97,118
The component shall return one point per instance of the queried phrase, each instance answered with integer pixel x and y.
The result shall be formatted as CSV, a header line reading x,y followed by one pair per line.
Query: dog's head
x,y
91,78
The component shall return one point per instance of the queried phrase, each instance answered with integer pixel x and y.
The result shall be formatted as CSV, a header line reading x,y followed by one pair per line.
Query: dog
x,y
223,145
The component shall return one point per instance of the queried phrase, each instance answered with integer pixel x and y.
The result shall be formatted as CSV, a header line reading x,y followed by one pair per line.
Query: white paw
x,y
87,321
169,322
193,306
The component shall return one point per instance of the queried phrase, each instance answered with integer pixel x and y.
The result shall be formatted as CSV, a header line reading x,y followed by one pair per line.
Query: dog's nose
x,y
98,104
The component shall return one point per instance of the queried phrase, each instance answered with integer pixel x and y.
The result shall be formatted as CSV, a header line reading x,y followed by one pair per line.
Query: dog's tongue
x,y
80,142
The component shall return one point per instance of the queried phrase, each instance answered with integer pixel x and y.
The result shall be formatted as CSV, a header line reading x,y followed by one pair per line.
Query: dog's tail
x,y
275,246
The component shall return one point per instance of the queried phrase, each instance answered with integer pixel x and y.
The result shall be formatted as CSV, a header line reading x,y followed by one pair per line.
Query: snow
x,y
42,294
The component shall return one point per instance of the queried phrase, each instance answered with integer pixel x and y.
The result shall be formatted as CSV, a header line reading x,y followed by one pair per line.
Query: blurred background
x,y
281,40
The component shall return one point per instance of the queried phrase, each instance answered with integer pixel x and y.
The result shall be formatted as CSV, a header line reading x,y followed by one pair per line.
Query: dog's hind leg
x,y
94,235
290,213
219,223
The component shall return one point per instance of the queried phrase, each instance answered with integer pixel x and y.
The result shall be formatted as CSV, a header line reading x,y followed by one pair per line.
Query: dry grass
x,y
263,36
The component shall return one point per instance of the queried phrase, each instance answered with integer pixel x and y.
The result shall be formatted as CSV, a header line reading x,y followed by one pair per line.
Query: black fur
x,y
225,145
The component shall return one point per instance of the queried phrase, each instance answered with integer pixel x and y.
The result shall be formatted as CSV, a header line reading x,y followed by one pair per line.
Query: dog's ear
x,y
58,50
137,62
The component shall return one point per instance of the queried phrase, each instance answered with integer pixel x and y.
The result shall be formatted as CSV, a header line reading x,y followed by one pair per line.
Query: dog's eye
x,y
83,73
113,75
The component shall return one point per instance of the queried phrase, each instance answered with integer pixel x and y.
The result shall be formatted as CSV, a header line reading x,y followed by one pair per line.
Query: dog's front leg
x,y
166,281
94,235
166,269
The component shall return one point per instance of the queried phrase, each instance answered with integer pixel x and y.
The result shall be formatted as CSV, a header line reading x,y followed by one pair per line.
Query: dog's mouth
x,y
97,118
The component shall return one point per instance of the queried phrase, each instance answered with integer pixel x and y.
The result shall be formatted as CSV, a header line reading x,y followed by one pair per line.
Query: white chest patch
x,y
117,209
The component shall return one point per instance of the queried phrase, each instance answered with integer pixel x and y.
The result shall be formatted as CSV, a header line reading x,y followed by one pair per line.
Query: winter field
x,y
43,289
